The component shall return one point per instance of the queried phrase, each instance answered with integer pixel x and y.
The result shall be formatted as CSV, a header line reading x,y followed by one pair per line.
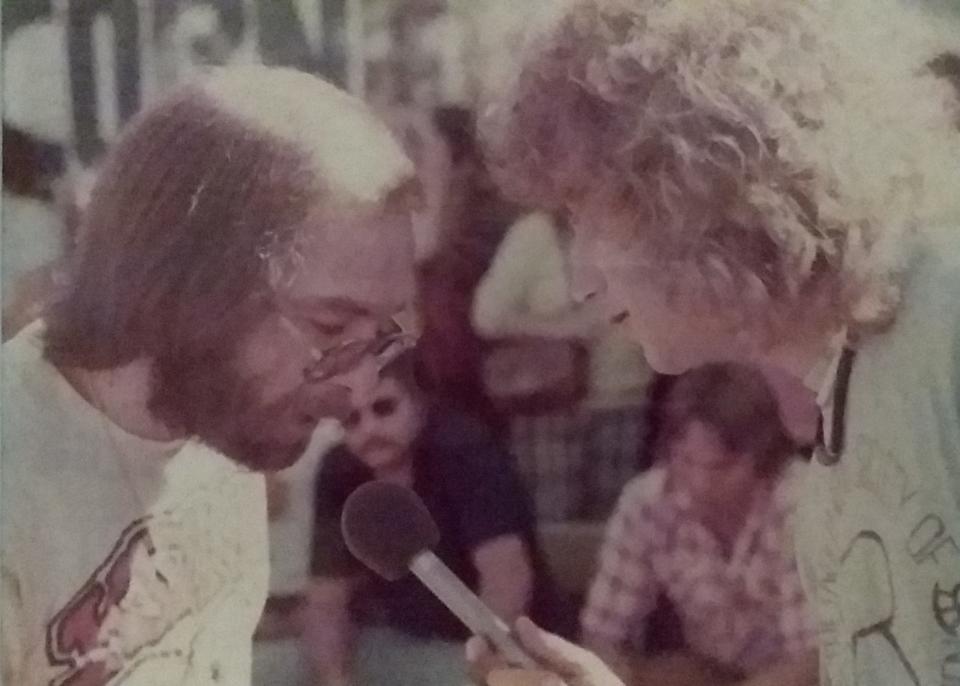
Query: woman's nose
x,y
586,279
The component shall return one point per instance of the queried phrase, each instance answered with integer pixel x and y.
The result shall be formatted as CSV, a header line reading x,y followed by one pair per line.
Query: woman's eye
x,y
351,420
384,408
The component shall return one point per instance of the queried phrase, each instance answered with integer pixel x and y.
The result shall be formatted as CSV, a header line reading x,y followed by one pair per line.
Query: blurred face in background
x,y
426,148
383,426
715,479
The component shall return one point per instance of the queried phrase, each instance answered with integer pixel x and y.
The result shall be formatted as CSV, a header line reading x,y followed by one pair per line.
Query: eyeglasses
x,y
342,357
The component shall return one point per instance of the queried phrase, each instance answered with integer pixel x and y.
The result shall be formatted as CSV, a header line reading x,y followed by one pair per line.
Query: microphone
x,y
388,528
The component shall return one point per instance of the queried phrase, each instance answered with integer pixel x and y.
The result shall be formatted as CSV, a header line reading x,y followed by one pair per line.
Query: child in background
x,y
708,527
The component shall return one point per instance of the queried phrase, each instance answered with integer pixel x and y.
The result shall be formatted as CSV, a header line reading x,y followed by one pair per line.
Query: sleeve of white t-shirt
x,y
527,256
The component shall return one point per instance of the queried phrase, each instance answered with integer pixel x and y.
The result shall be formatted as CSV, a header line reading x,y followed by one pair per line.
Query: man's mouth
x,y
377,444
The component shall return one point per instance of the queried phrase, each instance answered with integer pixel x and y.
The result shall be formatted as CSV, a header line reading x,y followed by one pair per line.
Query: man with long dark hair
x,y
238,271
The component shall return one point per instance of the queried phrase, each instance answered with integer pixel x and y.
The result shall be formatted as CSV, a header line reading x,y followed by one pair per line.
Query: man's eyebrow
x,y
338,305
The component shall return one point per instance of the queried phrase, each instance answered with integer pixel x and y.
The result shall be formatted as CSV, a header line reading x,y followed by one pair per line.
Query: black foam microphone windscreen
x,y
385,526
388,528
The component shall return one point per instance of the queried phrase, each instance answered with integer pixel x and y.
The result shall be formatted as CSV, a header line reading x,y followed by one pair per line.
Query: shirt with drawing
x,y
879,535
123,560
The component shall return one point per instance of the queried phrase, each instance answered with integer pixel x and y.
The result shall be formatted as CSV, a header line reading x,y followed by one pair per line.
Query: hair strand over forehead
x,y
169,248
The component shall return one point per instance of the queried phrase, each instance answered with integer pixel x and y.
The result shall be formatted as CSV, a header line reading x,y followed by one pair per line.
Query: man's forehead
x,y
365,231
350,261
404,198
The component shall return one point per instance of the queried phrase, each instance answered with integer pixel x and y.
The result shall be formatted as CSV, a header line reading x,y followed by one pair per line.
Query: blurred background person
x,y
559,364
469,217
527,293
709,527
35,226
37,230
365,631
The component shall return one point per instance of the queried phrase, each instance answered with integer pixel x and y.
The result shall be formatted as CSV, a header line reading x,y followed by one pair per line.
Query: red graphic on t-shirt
x,y
76,629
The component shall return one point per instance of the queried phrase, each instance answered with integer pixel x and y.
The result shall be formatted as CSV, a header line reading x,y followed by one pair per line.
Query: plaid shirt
x,y
746,610
575,463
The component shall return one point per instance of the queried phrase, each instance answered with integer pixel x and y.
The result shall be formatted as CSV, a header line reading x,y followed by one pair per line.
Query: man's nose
x,y
361,380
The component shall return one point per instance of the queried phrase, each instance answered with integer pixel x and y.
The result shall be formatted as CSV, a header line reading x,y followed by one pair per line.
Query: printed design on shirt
x,y
946,608
84,637
180,591
858,586
867,556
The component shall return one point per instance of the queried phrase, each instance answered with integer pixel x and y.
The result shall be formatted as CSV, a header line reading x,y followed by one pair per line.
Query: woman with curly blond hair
x,y
779,182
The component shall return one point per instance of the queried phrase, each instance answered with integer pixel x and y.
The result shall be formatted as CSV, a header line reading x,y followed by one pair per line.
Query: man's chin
x,y
269,457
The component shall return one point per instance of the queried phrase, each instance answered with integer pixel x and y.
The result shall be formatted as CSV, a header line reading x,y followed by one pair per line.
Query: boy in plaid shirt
x,y
708,528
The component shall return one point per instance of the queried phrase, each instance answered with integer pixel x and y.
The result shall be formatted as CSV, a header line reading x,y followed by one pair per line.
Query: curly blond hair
x,y
783,149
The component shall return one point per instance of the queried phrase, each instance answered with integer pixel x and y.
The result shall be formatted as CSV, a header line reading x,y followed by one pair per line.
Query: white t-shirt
x,y
879,534
291,532
529,274
33,236
123,560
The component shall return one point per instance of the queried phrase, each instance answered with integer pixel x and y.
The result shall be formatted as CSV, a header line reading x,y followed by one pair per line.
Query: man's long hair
x,y
172,263
170,257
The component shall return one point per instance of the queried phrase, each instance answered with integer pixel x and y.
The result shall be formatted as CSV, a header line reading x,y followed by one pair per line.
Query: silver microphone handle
x,y
468,608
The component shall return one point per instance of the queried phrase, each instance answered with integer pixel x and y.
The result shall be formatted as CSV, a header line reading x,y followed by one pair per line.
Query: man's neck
x,y
122,395
806,361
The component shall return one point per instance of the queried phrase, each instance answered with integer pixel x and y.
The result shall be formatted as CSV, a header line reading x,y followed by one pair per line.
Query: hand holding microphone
x,y
568,664
388,528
